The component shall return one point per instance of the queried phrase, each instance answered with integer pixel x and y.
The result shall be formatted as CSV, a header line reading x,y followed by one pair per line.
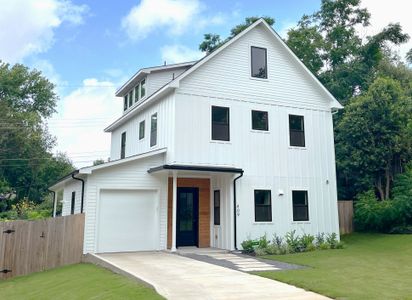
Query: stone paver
x,y
177,277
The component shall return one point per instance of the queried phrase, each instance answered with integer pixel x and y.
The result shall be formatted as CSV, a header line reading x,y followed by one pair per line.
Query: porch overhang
x,y
195,168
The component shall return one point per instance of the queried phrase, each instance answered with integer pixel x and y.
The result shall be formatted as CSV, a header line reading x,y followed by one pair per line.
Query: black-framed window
x,y
125,102
123,146
300,205
220,123
260,120
263,206
216,207
136,93
259,62
73,203
141,129
153,130
131,98
297,130
142,88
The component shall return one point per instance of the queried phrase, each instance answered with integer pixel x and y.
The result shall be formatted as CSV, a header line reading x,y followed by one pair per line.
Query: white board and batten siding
x,y
132,180
157,79
266,157
70,187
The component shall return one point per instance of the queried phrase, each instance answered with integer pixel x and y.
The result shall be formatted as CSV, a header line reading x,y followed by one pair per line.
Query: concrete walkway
x,y
177,277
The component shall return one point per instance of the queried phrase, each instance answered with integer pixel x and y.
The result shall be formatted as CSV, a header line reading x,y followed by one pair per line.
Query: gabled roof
x,y
334,104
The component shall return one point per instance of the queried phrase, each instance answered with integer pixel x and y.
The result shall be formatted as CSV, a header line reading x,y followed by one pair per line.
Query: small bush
x,y
306,242
340,245
324,246
406,229
320,239
277,240
248,246
332,240
292,241
261,251
263,242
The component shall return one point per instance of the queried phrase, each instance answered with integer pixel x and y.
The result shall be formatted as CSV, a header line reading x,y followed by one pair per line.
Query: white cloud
x,y
83,114
383,13
175,15
28,25
179,53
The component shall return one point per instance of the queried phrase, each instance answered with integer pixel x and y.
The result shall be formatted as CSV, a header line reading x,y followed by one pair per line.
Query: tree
x,y
212,41
372,142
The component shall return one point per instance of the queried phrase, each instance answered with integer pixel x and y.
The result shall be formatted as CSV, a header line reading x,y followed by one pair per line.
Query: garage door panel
x,y
127,221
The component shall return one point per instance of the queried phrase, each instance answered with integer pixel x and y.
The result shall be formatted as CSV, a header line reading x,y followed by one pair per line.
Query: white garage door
x,y
127,221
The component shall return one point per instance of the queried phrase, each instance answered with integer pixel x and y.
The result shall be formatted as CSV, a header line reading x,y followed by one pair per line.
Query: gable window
x,y
260,120
136,93
123,146
141,129
296,131
142,88
220,123
125,102
130,98
216,207
300,206
73,203
263,206
259,62
153,130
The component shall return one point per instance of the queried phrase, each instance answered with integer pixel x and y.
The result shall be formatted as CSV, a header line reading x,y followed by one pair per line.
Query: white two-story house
x,y
209,153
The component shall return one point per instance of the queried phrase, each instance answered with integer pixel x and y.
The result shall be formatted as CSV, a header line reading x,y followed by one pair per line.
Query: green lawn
x,y
82,281
372,266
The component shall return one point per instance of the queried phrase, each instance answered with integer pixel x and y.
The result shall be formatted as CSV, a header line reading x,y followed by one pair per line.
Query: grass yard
x,y
82,281
372,266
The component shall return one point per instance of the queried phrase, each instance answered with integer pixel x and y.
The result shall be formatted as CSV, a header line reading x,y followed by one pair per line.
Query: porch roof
x,y
196,168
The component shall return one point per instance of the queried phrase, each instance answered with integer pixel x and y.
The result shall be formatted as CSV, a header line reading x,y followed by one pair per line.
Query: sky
x,y
89,48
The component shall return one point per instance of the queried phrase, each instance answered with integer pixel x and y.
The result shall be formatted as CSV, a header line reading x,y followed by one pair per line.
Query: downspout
x,y
234,208
82,201
54,202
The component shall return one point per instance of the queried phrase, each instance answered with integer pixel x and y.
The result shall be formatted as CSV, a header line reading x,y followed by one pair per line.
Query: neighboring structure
x,y
212,152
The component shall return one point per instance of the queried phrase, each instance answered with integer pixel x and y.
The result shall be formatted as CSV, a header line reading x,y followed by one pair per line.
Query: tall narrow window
x,y
125,102
259,62
263,206
73,203
153,130
300,206
123,146
220,123
142,88
260,120
216,207
130,98
296,131
136,93
141,129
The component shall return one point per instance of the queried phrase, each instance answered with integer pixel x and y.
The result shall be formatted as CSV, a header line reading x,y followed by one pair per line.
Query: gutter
x,y
234,209
82,201
54,202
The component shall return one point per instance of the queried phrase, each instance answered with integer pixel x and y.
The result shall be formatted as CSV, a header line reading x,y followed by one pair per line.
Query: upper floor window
x,y
260,120
125,102
220,123
153,130
130,98
300,206
263,206
141,129
259,62
136,93
142,88
297,131
216,207
72,207
123,146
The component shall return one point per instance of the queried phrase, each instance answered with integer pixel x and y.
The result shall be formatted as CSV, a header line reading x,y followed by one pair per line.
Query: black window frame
x,y
73,203
123,145
216,133
131,98
142,88
216,207
269,206
142,128
254,114
296,206
153,129
125,102
293,140
251,63
136,93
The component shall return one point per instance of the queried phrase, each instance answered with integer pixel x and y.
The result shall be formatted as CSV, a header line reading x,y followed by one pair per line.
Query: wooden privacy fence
x,y
32,246
345,209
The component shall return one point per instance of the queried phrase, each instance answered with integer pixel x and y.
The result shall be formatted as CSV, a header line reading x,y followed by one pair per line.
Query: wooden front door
x,y
187,221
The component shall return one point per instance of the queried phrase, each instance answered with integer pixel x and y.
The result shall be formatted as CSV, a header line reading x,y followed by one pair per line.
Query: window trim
x,y
251,63
304,132
141,137
73,203
270,204
216,207
307,205
123,149
151,129
211,124
251,118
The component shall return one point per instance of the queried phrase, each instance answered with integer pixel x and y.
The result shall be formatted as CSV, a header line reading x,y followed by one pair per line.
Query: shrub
x,y
306,242
263,242
320,239
292,241
261,251
404,229
332,240
248,246
277,240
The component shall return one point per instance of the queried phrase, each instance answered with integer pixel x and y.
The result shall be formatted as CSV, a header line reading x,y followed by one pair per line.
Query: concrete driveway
x,y
178,277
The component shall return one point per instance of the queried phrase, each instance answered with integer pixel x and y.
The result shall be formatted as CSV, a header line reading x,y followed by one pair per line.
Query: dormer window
x,y
125,102
143,88
259,62
130,98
